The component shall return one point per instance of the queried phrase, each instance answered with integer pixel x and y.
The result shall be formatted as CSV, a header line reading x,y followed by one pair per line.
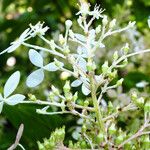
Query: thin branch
x,y
139,133
44,49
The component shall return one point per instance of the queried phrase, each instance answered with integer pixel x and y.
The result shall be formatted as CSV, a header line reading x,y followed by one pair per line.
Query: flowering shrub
x,y
98,126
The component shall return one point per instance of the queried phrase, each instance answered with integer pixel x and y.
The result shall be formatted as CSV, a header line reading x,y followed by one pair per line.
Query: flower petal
x,y
85,90
35,78
51,67
15,99
11,84
76,83
35,58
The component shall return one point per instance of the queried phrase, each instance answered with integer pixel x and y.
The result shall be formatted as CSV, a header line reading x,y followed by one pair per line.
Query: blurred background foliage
x,y
16,15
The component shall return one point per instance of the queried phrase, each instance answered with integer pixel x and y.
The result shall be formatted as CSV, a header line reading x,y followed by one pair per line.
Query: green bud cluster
x,y
78,145
56,139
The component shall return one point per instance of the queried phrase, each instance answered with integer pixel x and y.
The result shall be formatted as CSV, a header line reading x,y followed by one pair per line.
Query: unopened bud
x,y
61,39
68,24
32,97
86,103
112,129
98,29
134,96
119,82
51,96
112,23
91,66
125,62
126,48
140,101
58,63
105,20
100,137
75,96
105,67
113,74
52,44
115,56
147,106
55,90
119,139
110,106
67,87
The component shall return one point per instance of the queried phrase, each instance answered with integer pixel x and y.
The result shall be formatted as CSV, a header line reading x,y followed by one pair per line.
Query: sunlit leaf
x,y
15,99
35,58
35,78
76,83
11,84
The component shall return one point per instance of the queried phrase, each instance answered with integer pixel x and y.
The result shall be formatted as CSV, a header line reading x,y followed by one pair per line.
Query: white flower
x,y
84,9
38,29
14,45
97,12
37,76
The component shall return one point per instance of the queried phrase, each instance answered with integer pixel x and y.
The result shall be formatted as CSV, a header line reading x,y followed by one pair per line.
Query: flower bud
x,y
113,74
67,87
112,23
98,29
140,101
119,139
52,44
110,106
105,20
84,128
125,62
105,67
91,66
126,48
61,39
86,103
55,90
68,24
119,82
66,50
115,56
51,96
112,129
75,96
32,97
57,63
134,96
100,138
147,106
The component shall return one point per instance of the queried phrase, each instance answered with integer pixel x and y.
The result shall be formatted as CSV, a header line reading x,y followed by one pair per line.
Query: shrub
x,y
99,127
